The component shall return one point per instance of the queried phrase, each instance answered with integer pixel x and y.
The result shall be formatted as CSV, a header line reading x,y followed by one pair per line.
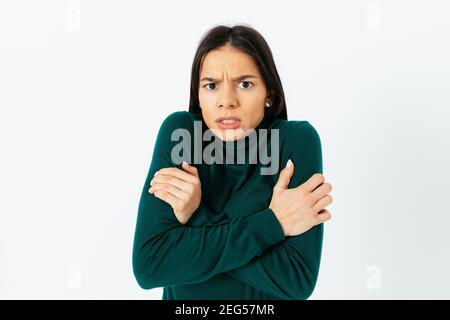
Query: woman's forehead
x,y
234,63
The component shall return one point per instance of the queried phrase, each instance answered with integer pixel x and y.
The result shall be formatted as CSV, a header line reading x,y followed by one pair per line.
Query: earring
x,y
267,105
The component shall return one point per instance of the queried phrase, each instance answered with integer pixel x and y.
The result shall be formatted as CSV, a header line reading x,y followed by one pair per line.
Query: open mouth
x,y
228,122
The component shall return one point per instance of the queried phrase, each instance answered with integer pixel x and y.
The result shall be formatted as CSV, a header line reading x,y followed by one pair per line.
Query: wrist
x,y
279,220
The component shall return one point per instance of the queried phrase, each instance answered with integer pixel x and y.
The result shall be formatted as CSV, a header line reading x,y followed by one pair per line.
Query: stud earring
x,y
267,105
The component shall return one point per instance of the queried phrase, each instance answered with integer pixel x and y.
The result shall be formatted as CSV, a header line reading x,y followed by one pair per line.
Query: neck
x,y
245,149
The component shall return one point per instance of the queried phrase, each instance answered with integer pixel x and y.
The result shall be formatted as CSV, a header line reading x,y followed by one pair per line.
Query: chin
x,y
228,134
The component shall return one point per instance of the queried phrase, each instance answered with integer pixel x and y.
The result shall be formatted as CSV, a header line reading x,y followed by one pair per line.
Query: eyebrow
x,y
245,76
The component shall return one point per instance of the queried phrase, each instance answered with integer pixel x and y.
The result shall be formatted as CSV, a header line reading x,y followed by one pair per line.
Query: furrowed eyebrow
x,y
245,76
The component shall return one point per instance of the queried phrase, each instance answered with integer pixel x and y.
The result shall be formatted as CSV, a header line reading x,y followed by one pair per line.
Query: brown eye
x,y
206,85
246,87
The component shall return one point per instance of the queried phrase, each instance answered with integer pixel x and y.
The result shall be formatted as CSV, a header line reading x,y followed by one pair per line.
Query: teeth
x,y
228,121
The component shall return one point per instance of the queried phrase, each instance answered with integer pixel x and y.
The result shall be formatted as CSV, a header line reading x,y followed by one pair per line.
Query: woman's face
x,y
224,92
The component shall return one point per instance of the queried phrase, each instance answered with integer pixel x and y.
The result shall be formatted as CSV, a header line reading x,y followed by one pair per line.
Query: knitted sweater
x,y
233,246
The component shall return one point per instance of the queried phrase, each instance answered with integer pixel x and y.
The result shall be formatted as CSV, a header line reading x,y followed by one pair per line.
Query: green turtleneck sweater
x,y
233,246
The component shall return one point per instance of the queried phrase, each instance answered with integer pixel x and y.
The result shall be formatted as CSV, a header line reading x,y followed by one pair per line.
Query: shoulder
x,y
178,119
300,142
172,123
172,127
296,134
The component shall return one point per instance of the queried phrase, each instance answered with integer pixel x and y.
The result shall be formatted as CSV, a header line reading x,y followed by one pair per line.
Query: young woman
x,y
233,229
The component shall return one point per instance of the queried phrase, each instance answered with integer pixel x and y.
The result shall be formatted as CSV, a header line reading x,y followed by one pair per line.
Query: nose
x,y
227,97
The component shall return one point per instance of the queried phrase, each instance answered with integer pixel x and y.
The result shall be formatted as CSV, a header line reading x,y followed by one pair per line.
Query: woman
x,y
227,230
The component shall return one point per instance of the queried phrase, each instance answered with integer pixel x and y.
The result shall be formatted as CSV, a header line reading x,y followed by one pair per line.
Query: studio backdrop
x,y
86,85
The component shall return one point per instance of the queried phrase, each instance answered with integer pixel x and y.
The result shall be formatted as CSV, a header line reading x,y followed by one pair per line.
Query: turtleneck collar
x,y
245,142
240,146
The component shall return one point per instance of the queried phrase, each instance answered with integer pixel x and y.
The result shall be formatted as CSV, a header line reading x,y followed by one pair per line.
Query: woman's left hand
x,y
181,189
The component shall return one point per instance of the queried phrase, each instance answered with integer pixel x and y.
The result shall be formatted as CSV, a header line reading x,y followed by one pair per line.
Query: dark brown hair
x,y
249,41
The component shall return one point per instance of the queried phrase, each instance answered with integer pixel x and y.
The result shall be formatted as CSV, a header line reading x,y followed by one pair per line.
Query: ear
x,y
269,96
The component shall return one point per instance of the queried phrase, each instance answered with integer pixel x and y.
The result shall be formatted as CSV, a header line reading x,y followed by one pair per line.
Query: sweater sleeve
x,y
167,253
289,269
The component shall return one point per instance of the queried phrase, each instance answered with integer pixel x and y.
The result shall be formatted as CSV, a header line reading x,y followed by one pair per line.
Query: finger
x,y
321,191
180,194
323,202
324,215
169,189
178,173
285,176
313,182
167,197
191,169
180,184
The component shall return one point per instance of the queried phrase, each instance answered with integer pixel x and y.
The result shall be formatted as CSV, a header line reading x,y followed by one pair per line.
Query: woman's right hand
x,y
179,188
301,208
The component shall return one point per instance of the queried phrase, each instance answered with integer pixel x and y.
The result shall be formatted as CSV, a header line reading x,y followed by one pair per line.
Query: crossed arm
x,y
251,248
289,269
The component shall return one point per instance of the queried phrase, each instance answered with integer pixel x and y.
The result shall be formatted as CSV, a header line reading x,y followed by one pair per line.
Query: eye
x,y
206,85
212,83
247,82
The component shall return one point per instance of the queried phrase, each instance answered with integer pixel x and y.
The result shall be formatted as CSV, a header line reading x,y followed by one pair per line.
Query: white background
x,y
85,85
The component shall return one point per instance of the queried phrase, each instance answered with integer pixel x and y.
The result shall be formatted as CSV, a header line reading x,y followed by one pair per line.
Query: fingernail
x,y
156,173
289,163
184,162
